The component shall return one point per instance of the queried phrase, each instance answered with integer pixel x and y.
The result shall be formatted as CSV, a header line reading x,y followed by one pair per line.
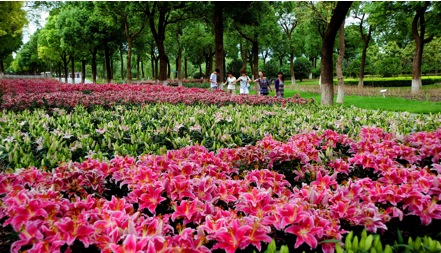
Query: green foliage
x,y
391,67
12,21
372,243
302,67
198,75
392,82
271,68
61,135
235,66
353,68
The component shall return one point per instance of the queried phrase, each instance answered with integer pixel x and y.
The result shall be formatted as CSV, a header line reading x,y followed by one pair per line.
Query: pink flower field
x,y
312,188
22,94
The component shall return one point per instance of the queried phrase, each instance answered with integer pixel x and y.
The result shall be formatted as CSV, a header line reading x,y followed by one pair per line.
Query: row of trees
x,y
169,35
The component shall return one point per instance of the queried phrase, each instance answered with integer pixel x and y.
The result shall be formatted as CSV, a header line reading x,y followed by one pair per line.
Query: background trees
x,y
162,40
12,20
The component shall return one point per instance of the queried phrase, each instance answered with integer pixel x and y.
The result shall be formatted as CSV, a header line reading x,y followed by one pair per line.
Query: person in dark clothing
x,y
279,85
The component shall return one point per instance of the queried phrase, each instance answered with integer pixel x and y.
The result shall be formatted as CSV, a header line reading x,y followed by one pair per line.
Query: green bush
x,y
391,82
353,69
302,67
198,75
235,66
391,67
271,68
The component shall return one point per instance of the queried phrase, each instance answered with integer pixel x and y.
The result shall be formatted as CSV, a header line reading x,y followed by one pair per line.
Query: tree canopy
x,y
163,40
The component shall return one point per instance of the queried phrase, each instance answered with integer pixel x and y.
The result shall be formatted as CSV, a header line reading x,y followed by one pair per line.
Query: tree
x,y
218,9
160,15
27,59
288,22
252,26
361,15
327,86
302,67
50,38
12,21
339,68
397,24
419,35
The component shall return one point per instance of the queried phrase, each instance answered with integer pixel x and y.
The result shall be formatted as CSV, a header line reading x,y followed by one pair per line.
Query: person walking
x,y
213,80
279,85
244,83
263,83
231,81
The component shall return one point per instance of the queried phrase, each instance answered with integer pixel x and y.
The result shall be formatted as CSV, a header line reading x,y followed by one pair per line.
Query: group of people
x,y
244,80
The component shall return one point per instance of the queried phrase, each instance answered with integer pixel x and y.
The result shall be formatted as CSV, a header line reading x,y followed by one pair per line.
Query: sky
x,y
32,27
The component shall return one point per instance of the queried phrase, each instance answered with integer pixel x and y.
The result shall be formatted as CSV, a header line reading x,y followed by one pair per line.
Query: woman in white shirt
x,y
231,81
244,83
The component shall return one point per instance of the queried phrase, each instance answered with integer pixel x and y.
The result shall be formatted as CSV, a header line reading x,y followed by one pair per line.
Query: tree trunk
x,y
103,76
142,70
83,71
255,50
250,59
65,62
153,66
156,69
185,68
362,67
107,63
50,70
94,66
2,66
243,56
163,62
327,85
168,69
208,65
179,65
111,68
122,64
73,68
129,61
419,46
363,54
59,72
291,68
219,37
341,56
416,66
137,68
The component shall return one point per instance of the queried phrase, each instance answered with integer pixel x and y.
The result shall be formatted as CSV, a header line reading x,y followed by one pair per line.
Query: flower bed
x,y
46,137
312,188
24,94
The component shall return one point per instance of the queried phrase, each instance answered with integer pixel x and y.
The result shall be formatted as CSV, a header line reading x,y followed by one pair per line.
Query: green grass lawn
x,y
377,103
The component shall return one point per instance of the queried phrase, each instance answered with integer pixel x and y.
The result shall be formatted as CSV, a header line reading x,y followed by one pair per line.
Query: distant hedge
x,y
392,82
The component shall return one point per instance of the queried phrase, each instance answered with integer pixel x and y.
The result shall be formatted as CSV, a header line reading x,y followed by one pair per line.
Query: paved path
x,y
77,80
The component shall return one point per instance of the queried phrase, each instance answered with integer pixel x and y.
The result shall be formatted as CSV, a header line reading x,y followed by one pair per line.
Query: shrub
x,y
235,67
391,67
392,82
271,68
198,75
302,67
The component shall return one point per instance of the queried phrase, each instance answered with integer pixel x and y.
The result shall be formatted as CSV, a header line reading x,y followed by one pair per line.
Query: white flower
x,y
101,130
177,127
90,154
9,139
195,128
67,135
